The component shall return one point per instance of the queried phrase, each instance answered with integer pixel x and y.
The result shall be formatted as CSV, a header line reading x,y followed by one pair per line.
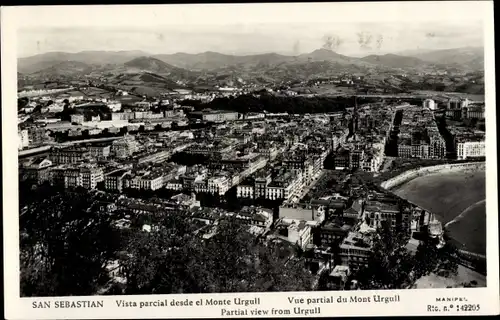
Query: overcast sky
x,y
355,29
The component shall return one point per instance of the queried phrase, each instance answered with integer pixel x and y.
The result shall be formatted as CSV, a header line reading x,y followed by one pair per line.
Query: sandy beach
x,y
457,199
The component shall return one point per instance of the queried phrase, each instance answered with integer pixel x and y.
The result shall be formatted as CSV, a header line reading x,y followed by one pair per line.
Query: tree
x,y
274,104
67,241
65,244
184,158
280,272
85,134
236,246
390,264
429,258
105,132
229,261
123,130
22,102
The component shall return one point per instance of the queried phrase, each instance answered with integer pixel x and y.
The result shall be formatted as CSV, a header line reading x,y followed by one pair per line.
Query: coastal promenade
x,y
442,168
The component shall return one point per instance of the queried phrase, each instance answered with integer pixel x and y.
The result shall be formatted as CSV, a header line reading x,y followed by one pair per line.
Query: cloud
x,y
251,38
332,42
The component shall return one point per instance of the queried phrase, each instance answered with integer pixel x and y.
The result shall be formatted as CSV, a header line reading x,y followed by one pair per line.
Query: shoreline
x,y
412,174
450,219
463,213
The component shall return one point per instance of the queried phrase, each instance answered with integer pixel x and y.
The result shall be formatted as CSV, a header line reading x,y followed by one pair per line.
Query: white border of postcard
x,y
410,302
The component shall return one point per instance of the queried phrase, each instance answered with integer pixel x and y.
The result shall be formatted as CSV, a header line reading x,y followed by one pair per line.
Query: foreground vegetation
x,y
67,239
393,266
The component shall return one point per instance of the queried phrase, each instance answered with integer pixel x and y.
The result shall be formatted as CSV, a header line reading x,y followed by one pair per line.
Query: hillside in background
x,y
150,64
459,55
389,72
213,60
394,61
200,61
64,69
469,57
327,55
46,60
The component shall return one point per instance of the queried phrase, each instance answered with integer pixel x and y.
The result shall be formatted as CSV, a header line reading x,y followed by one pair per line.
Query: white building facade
x,y
23,139
470,149
430,104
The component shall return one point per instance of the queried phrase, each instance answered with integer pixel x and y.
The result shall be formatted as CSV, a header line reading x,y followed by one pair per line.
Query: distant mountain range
x,y
46,60
394,61
64,68
471,57
138,69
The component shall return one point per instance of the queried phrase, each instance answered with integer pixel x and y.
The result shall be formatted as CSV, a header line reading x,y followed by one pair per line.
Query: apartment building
x,y
220,116
69,155
259,217
146,180
312,213
454,114
356,157
91,176
100,151
254,187
355,250
341,159
115,180
331,233
300,233
437,148
245,191
72,178
77,118
37,171
218,185
86,176
125,147
285,186
473,112
36,135
467,149
122,116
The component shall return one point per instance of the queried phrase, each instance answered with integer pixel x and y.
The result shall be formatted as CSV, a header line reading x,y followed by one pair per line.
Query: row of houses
x,y
69,176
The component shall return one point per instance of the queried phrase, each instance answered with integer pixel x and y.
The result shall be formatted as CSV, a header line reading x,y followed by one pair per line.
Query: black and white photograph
x,y
219,156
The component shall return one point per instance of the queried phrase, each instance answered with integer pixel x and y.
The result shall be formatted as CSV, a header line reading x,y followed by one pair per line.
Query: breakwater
x,y
422,171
